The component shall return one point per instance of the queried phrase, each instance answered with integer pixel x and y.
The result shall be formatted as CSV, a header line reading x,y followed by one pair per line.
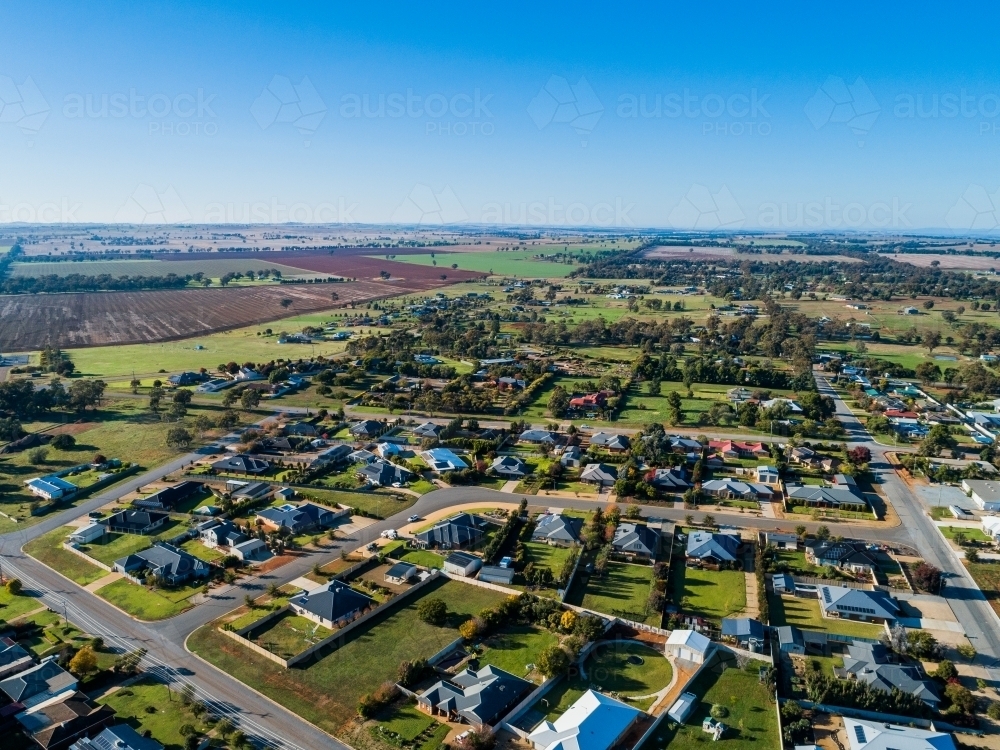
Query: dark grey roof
x,y
45,677
243,464
742,627
461,559
133,520
166,561
332,601
252,490
872,663
672,478
459,531
401,570
296,516
844,553
557,528
367,428
228,533
384,473
480,697
168,497
636,537
12,655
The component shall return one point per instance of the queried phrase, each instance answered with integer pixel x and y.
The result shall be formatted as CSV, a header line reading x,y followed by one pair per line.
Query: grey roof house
x,y
334,604
168,497
511,467
223,534
164,562
668,479
636,539
384,474
427,430
873,664
555,528
713,548
135,521
462,530
367,428
118,737
13,658
855,604
744,630
599,474
480,698
611,442
38,684
242,464
297,518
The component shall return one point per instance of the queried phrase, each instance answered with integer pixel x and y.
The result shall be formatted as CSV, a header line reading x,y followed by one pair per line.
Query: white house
x,y
991,526
877,735
689,645
50,487
593,722
985,493
88,533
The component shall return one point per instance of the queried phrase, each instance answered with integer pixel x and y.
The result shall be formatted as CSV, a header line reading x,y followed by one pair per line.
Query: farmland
x,y
516,263
212,268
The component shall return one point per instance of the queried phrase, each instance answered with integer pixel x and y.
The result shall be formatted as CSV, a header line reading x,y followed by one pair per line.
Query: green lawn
x,y
752,722
150,705
288,634
116,546
805,613
796,562
712,594
625,667
971,534
406,721
516,647
513,263
12,607
424,557
544,555
377,504
622,591
48,549
197,549
145,604
251,616
326,691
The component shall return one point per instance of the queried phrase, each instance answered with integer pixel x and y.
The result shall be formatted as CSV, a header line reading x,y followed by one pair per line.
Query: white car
x,y
413,519
390,534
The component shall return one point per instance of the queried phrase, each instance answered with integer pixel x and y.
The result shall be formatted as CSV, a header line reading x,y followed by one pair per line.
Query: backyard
x,y
151,706
288,634
116,546
805,613
326,692
712,594
516,647
622,591
48,549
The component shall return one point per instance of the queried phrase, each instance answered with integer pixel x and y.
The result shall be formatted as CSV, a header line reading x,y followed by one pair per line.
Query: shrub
x,y
553,661
14,586
63,442
945,671
433,611
719,711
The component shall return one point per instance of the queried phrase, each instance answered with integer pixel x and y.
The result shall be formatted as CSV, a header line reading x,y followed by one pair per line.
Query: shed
x,y
682,707
688,645
400,573
496,574
462,564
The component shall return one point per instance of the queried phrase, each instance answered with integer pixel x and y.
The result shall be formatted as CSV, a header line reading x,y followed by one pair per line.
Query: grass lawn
x,y
116,546
621,591
12,607
752,722
132,706
516,647
251,616
406,721
199,550
378,504
987,577
624,667
805,613
712,594
145,604
971,534
48,549
546,556
424,557
288,635
796,562
326,691
508,263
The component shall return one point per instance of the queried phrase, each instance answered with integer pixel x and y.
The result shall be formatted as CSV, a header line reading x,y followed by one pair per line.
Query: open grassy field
x,y
146,604
516,647
972,534
712,594
521,263
151,706
326,691
805,613
752,723
622,591
12,607
48,549
379,504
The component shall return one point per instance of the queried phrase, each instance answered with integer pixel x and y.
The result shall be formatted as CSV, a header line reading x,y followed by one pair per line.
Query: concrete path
x,y
510,486
103,581
305,584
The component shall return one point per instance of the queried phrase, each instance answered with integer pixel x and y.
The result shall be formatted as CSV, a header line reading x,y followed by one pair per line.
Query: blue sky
x,y
774,117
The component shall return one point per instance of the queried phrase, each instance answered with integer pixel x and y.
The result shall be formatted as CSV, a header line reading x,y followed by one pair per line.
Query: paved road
x,y
982,626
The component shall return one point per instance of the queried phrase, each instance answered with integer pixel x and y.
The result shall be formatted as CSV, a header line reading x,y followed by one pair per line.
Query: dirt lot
x,y
959,262
101,318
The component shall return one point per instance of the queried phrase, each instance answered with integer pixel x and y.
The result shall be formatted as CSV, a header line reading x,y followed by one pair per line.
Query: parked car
x,y
413,519
390,534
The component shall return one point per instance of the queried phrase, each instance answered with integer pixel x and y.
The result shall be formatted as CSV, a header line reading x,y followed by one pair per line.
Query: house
x,y
570,457
682,707
335,454
242,464
594,722
851,555
303,429
735,449
462,530
680,444
876,666
497,574
766,474
135,522
39,684
539,437
400,573
909,311
746,631
388,450
855,604
252,491
332,605
367,428
611,442
13,658
55,724
89,533
826,497
985,493
636,540
671,480
792,405
510,467
879,735
362,457
688,645
479,697
790,640
169,497
739,395
186,378
297,518
252,550
428,430
164,562
222,534
462,564
602,475
510,384
443,459
731,489
991,526
557,529
118,737
781,540
713,548
51,487
783,583
246,375
214,385
384,474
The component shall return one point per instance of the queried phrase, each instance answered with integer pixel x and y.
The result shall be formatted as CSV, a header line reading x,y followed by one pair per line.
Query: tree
x,y
945,671
568,620
927,578
228,420
239,740
972,555
14,587
921,645
823,532
38,455
63,442
469,629
202,424
654,387
967,651
558,401
932,340
178,438
928,372
224,728
84,663
859,455
249,399
553,661
960,697
433,611
155,397
928,304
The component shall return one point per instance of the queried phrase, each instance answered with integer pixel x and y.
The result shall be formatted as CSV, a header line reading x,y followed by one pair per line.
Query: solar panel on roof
x,y
859,731
827,597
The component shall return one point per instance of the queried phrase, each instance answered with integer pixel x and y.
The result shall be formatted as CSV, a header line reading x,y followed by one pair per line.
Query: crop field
x,y
513,263
212,268
363,268
100,318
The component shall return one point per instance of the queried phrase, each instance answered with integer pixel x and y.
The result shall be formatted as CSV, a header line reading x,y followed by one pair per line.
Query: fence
x,y
563,593
246,643
536,695
70,547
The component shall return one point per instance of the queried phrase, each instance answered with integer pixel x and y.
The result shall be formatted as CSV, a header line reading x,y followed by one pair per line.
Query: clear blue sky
x,y
550,108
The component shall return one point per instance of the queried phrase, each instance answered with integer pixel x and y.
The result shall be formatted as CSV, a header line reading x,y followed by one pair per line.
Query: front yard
x,y
712,594
148,604
288,635
48,549
116,546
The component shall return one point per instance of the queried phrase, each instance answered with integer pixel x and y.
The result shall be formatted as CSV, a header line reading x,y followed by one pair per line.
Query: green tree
x,y
249,399
553,661
433,611
178,438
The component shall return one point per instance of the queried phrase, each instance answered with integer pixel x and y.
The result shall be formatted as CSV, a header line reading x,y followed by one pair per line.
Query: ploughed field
x,y
102,318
